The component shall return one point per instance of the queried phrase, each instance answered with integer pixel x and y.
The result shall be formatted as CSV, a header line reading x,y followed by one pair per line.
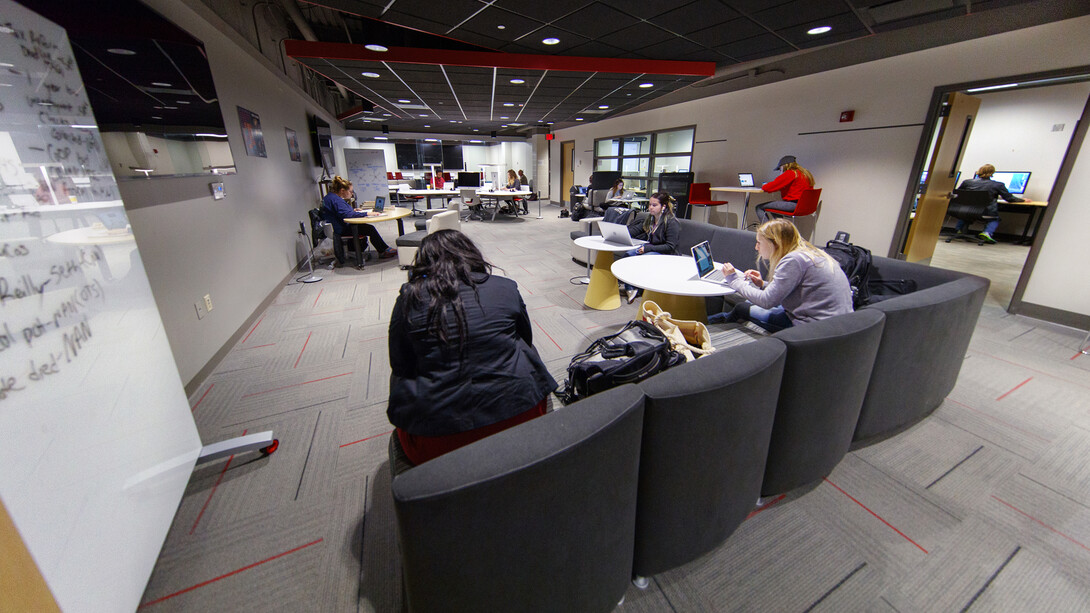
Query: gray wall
x,y
237,249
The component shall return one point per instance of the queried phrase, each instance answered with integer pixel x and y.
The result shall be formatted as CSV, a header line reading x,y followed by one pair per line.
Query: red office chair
x,y
389,176
446,176
700,194
807,205
398,176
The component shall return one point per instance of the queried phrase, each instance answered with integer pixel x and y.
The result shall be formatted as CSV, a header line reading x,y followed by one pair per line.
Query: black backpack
x,y
855,262
638,351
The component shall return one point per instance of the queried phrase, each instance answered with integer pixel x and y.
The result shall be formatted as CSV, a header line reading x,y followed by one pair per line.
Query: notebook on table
x,y
705,264
745,179
617,234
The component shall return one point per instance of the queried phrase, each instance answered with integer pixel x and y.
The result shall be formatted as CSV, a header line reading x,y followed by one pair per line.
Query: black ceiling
x,y
460,99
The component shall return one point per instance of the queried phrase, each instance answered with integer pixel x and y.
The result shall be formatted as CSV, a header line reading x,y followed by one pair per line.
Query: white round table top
x,y
667,274
596,243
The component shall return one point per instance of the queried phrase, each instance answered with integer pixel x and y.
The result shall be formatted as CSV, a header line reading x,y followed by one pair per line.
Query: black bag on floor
x,y
638,351
855,262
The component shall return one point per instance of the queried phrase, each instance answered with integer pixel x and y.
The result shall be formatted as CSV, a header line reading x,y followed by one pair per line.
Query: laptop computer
x,y
617,234
745,179
380,203
706,270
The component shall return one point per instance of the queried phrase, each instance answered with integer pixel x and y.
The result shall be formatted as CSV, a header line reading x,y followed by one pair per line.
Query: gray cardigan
x,y
808,290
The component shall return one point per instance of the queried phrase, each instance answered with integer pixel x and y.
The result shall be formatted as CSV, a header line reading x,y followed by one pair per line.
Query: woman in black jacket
x,y
461,351
660,229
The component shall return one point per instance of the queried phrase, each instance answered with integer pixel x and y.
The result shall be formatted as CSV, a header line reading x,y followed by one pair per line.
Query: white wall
x,y
240,248
863,174
1013,131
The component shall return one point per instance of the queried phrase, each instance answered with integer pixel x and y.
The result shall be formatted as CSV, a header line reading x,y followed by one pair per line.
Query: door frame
x,y
1057,77
567,177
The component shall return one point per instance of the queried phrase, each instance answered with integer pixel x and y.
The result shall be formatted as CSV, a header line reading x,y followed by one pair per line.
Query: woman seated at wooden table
x,y
335,210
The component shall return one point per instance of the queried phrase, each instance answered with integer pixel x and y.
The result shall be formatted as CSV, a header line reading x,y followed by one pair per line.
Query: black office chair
x,y
969,206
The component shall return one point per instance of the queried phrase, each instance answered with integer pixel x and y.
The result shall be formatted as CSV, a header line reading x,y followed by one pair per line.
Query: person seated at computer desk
x,y
983,182
616,192
792,182
335,210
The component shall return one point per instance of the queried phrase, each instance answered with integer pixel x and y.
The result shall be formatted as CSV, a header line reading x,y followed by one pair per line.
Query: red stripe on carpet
x,y
202,397
316,298
877,516
225,575
768,505
252,329
366,439
1007,424
1050,528
549,337
305,343
1014,388
214,486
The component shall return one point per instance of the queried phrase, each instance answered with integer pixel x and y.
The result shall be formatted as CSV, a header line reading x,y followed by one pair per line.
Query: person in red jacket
x,y
793,180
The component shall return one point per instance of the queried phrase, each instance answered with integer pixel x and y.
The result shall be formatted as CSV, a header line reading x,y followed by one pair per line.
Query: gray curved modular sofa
x,y
923,342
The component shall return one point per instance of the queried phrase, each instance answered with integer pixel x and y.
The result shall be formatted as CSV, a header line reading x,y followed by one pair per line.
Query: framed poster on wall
x,y
293,145
251,132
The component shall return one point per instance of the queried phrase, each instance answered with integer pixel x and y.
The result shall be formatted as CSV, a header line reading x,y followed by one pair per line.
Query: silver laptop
x,y
745,179
706,270
380,203
617,234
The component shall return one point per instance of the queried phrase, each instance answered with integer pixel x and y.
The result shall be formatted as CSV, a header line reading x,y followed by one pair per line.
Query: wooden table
x,y
670,281
748,191
502,194
1031,208
389,214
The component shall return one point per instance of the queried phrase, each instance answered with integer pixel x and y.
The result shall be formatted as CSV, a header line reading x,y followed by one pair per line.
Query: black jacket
x,y
664,239
995,188
433,392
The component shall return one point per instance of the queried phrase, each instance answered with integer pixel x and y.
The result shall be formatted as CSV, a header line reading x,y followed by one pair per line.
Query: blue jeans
x,y
627,254
773,320
775,205
988,229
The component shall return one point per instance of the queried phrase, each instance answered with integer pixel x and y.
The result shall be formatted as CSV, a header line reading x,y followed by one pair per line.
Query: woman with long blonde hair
x,y
805,284
793,180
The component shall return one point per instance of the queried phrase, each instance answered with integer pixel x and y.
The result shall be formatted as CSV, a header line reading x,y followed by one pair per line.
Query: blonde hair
x,y
785,238
511,176
985,171
805,173
338,185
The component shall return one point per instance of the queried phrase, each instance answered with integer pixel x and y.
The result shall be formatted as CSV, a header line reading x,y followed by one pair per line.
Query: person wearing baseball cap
x,y
793,180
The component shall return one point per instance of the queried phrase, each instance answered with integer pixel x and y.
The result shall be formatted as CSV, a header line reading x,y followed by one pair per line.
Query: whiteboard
x,y
97,441
367,172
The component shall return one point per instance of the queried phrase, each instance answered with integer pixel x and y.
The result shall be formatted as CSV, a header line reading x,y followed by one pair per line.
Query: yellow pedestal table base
x,y
602,292
679,307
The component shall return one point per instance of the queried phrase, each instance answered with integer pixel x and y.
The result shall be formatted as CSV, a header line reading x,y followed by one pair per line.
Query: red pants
x,y
420,449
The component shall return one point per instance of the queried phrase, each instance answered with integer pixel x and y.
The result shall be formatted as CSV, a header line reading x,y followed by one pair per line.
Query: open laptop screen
x,y
745,179
380,203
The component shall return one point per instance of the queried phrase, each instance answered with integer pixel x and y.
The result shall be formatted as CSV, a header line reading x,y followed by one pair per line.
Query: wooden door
x,y
567,170
954,129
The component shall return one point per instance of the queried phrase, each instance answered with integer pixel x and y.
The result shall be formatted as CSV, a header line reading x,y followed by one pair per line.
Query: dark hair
x,y
667,203
445,261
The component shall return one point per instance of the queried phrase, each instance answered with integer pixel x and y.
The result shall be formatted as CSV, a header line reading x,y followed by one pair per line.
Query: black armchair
x,y
970,206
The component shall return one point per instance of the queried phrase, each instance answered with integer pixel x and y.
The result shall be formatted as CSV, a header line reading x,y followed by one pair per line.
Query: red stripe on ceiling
x,y
484,59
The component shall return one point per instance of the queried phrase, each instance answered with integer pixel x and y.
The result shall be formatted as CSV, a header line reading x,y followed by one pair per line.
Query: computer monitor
x,y
469,179
604,179
1014,180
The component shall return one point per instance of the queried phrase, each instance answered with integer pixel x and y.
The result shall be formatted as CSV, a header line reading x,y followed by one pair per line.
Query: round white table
x,y
602,292
670,281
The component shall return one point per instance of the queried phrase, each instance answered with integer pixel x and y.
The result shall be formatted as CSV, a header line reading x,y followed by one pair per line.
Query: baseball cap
x,y
787,159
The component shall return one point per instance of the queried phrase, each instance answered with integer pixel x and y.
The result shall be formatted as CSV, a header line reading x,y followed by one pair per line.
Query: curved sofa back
x,y
923,345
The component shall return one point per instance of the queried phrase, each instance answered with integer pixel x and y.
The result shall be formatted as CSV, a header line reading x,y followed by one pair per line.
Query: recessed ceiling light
x,y
370,75
476,130
628,94
818,30
378,48
381,138
120,51
404,101
548,123
646,85
476,141
427,126
603,106
431,140
161,84
518,81
505,117
579,119
156,117
453,121
385,114
423,114
509,104
501,27
181,102
504,126
551,41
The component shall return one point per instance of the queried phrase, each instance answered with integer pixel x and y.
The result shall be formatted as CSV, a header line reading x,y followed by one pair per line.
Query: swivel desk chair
x,y
969,206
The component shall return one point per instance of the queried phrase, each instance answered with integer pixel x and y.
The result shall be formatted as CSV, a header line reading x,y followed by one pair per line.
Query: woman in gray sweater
x,y
806,284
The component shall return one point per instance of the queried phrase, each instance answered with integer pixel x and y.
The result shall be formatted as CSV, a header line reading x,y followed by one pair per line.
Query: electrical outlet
x,y
201,311
208,302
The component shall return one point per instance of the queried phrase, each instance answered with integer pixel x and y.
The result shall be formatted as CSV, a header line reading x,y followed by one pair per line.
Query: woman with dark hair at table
x,y
335,210
660,229
793,180
514,185
461,351
806,284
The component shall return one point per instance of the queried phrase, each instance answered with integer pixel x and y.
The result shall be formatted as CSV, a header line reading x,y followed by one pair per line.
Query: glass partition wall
x,y
641,157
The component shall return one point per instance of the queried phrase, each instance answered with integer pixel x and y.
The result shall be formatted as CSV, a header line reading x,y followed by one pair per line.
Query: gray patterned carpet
x,y
984,506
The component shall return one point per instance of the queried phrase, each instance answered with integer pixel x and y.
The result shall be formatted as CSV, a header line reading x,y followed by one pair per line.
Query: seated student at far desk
x,y
335,210
983,182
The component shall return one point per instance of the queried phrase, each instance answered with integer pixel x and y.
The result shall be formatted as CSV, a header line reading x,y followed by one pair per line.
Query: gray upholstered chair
x,y
539,517
706,428
828,368
923,346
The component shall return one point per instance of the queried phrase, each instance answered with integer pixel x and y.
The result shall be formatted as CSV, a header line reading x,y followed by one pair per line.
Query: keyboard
x,y
716,276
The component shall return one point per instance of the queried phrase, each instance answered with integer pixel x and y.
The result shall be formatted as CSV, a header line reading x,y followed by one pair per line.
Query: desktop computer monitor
x,y
1015,181
469,179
